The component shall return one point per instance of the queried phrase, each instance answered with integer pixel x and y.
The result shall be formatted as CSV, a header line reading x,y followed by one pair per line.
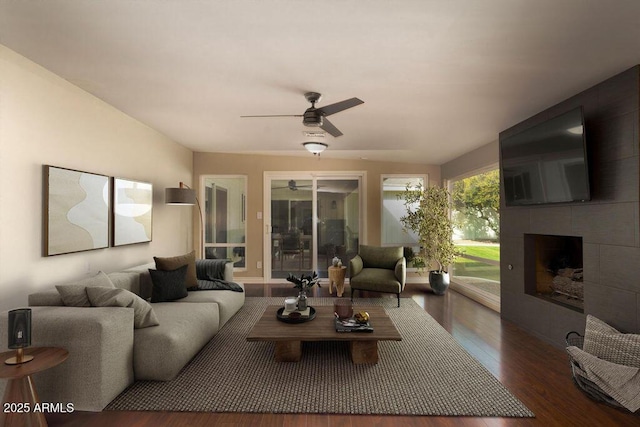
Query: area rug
x,y
427,373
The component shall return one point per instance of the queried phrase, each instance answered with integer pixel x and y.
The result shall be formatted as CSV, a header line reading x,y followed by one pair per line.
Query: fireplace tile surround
x,y
609,224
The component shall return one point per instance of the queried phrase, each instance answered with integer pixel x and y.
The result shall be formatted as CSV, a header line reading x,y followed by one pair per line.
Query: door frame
x,y
314,176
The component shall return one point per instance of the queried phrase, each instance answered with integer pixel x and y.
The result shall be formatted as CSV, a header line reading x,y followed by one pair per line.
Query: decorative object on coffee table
x,y
343,308
296,316
303,284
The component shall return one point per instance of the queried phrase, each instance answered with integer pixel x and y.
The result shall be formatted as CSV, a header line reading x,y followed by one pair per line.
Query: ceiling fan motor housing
x,y
312,118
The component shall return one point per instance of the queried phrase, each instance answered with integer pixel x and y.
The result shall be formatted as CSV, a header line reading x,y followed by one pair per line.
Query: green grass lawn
x,y
487,252
465,267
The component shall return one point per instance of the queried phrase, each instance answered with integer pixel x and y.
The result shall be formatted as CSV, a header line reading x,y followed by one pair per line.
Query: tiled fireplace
x,y
590,248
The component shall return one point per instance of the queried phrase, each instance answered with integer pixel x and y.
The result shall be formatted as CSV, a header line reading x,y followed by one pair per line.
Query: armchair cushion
x,y
378,280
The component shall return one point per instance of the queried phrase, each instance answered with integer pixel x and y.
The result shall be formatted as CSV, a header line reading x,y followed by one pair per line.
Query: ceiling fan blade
x,y
330,109
330,128
274,115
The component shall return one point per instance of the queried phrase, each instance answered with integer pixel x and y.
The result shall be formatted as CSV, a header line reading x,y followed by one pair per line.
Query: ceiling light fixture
x,y
315,147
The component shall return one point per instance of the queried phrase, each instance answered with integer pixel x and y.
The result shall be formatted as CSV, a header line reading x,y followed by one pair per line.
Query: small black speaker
x,y
20,328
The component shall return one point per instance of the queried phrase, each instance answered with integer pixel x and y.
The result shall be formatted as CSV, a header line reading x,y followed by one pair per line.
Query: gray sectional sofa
x,y
106,353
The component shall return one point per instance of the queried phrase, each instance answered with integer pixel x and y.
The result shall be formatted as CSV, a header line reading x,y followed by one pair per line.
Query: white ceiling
x,y
438,77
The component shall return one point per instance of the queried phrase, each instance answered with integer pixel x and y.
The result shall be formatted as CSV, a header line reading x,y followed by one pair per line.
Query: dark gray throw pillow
x,y
168,285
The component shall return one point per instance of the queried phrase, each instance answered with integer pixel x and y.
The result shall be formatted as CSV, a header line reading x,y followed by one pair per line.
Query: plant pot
x,y
439,281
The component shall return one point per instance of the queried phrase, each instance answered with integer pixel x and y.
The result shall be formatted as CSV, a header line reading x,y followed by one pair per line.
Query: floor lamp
x,y
185,195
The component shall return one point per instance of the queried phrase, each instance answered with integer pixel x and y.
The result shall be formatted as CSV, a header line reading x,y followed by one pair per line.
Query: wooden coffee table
x,y
288,337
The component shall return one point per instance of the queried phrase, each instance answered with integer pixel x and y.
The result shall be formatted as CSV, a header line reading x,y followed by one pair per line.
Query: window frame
x,y
243,208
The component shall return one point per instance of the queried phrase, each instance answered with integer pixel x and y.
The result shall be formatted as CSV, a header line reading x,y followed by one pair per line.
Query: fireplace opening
x,y
554,270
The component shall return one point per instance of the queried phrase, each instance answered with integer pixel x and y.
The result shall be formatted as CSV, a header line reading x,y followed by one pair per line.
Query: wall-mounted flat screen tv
x,y
546,163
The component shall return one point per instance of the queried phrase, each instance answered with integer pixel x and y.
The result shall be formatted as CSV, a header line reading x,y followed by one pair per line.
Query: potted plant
x,y
303,284
428,216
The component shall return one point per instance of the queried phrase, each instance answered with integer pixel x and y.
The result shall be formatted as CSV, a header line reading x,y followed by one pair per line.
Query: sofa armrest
x,y
100,346
208,269
228,272
355,265
400,271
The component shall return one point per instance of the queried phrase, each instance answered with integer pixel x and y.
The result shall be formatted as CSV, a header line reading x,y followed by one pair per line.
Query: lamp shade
x,y
315,147
179,196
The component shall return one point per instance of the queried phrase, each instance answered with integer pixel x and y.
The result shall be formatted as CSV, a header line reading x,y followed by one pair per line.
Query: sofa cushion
x,y
172,263
168,285
143,314
229,302
162,351
74,294
607,343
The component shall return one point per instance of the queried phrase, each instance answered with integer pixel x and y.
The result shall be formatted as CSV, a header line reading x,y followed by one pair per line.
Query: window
x,y
392,233
476,213
225,210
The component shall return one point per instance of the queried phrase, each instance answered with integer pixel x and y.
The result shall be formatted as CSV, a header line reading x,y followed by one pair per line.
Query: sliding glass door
x,y
311,218
338,222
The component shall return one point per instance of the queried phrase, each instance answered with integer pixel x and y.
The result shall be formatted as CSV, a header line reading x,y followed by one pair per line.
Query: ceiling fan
x,y
291,185
316,117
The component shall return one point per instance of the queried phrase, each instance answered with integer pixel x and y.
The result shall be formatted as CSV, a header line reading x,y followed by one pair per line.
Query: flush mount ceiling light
x,y
315,147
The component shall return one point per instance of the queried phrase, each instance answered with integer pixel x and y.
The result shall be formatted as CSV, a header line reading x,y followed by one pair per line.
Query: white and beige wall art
x,y
76,211
79,205
132,211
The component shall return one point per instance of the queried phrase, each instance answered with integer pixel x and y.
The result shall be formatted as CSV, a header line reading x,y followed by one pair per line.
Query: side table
x,y
336,277
21,393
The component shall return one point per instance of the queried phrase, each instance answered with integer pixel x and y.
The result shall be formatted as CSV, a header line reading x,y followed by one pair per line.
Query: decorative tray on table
x,y
296,316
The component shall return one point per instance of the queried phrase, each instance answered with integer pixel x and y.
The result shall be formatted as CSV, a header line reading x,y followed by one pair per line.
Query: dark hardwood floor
x,y
534,371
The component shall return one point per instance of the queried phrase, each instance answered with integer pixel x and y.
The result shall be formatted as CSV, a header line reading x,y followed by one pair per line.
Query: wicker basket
x,y
580,377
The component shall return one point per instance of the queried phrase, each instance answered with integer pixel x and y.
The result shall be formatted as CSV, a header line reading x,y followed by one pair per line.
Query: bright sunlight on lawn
x,y
491,252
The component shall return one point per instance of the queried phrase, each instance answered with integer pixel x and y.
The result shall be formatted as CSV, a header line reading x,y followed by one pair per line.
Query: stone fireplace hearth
x,y
553,270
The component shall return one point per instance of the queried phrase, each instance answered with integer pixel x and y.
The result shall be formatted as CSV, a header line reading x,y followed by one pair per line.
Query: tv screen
x,y
546,163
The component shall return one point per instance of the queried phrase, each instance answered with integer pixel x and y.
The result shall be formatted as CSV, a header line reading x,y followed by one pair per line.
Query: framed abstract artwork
x,y
132,211
76,207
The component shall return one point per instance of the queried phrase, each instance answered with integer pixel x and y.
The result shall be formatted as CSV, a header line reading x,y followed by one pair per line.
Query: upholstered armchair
x,y
378,269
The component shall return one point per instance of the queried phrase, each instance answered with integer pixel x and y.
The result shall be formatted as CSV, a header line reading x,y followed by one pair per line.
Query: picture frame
x,y
132,212
76,211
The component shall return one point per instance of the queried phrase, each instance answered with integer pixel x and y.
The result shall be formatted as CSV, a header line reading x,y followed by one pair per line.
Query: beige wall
x,y
254,166
46,120
471,162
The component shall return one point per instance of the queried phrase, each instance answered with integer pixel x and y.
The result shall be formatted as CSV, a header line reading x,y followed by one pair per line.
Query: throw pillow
x,y
168,264
607,343
74,294
143,314
168,285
